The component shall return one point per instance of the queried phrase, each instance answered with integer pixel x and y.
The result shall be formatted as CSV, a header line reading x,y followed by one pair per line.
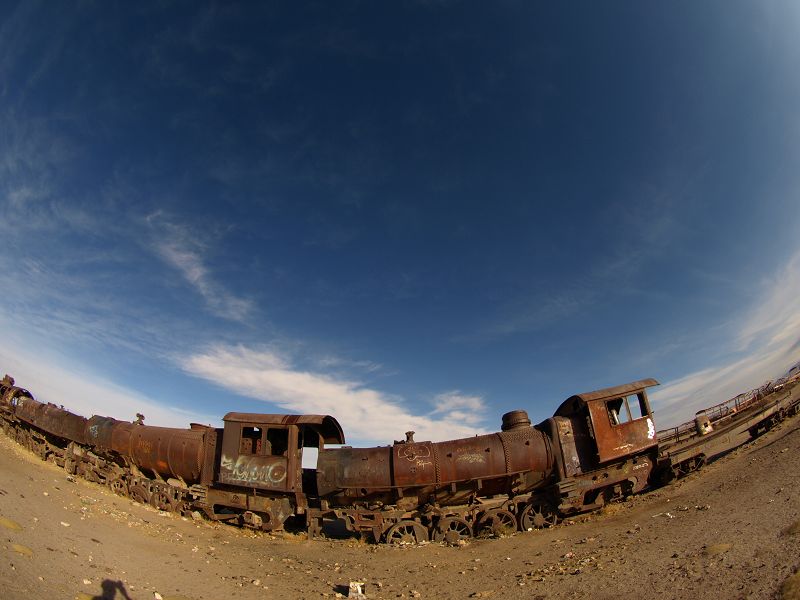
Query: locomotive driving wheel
x,y
498,522
537,515
164,499
140,493
451,530
406,532
118,486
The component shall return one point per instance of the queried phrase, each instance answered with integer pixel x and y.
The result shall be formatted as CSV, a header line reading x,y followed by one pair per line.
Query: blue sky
x,y
410,216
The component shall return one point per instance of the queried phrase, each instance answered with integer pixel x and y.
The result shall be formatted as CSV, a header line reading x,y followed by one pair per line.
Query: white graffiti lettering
x,y
248,469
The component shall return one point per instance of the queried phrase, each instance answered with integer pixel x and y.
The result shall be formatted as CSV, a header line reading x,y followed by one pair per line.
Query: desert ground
x,y
731,530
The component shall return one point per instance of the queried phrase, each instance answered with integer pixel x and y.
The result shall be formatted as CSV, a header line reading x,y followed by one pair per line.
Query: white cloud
x,y
179,249
455,406
768,338
367,415
776,320
330,362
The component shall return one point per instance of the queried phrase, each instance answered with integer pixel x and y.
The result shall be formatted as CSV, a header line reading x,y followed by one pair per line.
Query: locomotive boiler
x,y
598,446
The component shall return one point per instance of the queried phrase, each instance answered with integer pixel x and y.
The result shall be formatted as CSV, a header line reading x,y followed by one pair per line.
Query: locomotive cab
x,y
266,451
617,421
605,445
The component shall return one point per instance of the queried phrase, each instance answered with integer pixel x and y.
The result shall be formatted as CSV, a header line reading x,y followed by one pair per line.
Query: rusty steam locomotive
x,y
597,447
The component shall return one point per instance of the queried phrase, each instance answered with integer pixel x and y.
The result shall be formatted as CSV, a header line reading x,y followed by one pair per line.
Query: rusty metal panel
x,y
63,423
48,417
574,403
170,452
415,464
167,451
99,431
618,440
9,392
51,418
28,410
569,452
361,468
261,465
272,512
212,453
467,459
527,449
265,472
456,468
327,426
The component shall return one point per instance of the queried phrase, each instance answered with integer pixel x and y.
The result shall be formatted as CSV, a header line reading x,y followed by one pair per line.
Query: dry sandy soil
x,y
729,531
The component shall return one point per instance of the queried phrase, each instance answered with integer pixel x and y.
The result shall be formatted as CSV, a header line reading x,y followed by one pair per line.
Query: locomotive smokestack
x,y
515,420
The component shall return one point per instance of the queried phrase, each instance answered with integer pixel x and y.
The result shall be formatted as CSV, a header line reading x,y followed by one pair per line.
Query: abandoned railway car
x,y
598,446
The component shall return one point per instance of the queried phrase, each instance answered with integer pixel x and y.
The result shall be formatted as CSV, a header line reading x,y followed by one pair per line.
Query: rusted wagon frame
x,y
680,458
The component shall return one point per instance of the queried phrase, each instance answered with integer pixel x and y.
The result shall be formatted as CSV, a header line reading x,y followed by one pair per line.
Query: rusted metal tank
x,y
514,461
50,418
167,451
702,423
10,394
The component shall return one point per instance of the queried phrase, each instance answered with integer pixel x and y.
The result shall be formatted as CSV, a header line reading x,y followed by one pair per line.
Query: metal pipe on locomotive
x,y
598,446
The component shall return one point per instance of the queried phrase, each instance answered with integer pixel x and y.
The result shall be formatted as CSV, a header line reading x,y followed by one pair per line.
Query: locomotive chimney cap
x,y
515,420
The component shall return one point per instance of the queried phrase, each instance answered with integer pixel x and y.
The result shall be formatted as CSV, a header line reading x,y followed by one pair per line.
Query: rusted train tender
x,y
598,446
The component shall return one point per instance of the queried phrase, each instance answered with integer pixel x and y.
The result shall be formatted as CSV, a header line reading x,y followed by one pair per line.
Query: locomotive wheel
x,y
451,530
139,493
118,486
163,500
406,532
498,522
537,515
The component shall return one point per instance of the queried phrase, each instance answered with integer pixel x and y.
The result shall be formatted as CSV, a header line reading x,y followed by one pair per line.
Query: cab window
x,y
277,442
251,440
626,409
617,411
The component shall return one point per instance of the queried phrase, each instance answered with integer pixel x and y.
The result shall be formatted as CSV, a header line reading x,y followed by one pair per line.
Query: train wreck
x,y
597,447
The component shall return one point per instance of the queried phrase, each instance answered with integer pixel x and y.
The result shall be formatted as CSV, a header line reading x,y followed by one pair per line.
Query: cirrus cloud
x,y
767,339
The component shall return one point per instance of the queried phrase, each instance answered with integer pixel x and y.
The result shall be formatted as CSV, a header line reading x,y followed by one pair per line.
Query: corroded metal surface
x,y
452,471
620,417
325,425
52,419
167,451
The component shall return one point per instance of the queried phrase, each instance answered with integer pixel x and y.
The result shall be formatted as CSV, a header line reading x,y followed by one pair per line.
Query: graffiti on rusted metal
x,y
253,470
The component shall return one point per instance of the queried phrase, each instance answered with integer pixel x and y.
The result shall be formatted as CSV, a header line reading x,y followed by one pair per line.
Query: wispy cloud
x,y
330,361
776,319
454,406
767,343
367,415
181,250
